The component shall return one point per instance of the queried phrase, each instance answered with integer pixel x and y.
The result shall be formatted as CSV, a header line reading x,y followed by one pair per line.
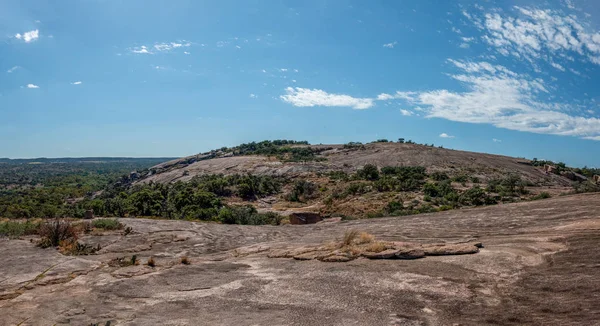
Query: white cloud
x,y
492,95
32,86
557,66
253,96
185,52
468,39
445,135
506,100
495,140
141,50
304,97
390,45
170,46
160,47
396,96
28,36
283,70
532,34
11,70
406,112
464,45
77,83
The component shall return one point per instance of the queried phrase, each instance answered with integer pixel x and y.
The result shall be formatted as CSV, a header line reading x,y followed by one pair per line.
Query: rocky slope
x,y
351,197
339,158
538,266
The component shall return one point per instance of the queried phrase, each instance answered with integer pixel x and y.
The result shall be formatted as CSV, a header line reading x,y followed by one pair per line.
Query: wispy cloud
x,y
304,97
11,70
505,99
493,95
28,36
160,47
538,34
141,50
445,135
406,112
253,96
495,140
390,45
77,83
32,86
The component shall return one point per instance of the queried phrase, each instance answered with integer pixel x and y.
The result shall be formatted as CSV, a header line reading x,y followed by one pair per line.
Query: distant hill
x,y
156,160
358,180
304,160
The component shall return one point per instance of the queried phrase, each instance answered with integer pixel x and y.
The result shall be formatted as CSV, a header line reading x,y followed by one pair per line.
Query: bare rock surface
x,y
538,265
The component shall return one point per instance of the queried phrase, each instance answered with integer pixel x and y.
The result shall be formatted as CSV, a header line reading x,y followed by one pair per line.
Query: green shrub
x,y
475,196
247,215
303,190
439,176
338,175
368,172
461,178
586,186
357,188
354,145
107,224
15,229
541,195
431,190
394,206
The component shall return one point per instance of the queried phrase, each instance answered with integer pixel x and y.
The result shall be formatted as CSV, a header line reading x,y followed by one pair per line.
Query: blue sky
x,y
157,78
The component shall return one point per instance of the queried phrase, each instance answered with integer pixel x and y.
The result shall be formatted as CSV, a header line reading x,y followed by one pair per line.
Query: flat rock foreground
x,y
538,264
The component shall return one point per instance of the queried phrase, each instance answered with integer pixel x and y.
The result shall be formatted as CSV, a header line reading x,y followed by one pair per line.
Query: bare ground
x,y
539,266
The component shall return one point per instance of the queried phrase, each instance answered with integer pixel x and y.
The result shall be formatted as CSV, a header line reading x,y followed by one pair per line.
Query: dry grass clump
x,y
365,237
185,260
57,231
349,237
354,243
376,246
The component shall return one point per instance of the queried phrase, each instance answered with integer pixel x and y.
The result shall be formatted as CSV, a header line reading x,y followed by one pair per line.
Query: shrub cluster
x,y
302,191
247,215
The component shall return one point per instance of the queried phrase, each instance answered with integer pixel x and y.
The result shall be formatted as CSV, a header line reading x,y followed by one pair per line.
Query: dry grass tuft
x,y
54,232
151,262
185,260
377,246
349,237
365,237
